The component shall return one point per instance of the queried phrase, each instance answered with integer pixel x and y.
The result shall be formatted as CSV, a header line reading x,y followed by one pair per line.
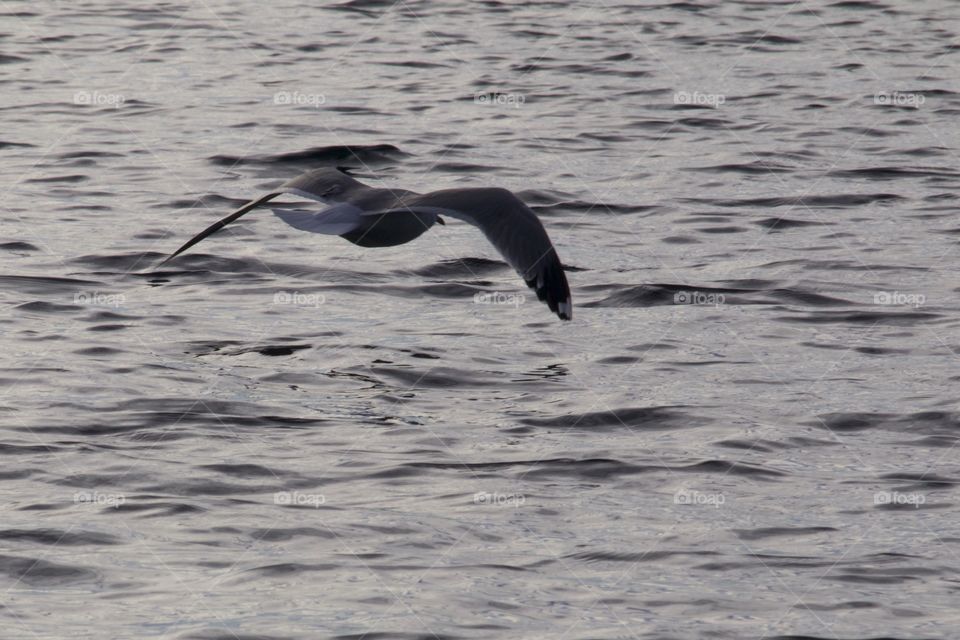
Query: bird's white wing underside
x,y
309,195
334,221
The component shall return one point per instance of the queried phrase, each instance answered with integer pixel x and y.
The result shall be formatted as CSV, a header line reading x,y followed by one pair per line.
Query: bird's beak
x,y
440,221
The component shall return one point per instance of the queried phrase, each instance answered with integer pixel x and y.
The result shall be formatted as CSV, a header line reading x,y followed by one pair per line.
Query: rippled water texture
x,y
747,431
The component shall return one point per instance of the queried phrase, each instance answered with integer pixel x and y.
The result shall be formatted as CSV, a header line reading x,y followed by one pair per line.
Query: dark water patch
x,y
795,442
758,167
603,137
839,606
94,352
46,307
202,202
215,634
860,5
15,247
108,327
445,290
191,268
89,153
7,449
543,196
781,224
465,167
618,360
58,537
879,351
729,468
120,262
273,350
5,144
836,637
207,347
652,295
871,318
847,422
635,557
35,572
867,576
290,568
435,377
934,423
414,64
723,229
778,532
243,470
749,445
48,285
281,534
598,208
396,635
317,156
807,299
939,441
458,268
924,481
838,201
600,468
704,123
889,173
151,413
368,8
155,509
68,178
646,418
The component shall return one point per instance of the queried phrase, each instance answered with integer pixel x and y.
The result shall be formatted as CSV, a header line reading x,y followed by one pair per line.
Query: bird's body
x,y
376,217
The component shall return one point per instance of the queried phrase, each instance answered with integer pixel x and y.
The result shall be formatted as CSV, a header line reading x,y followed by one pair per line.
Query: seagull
x,y
374,217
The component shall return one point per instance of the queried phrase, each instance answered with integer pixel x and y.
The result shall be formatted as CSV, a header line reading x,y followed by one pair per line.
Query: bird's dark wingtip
x,y
552,288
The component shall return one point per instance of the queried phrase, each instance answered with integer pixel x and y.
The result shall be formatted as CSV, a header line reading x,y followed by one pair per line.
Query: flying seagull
x,y
372,217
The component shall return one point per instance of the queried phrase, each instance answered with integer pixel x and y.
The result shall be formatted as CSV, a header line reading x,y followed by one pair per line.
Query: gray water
x,y
747,430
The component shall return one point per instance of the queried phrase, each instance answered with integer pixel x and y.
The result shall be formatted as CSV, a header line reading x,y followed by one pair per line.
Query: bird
x,y
379,217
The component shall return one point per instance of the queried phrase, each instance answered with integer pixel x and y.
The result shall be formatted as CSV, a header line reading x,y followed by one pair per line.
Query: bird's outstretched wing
x,y
509,224
513,229
328,185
